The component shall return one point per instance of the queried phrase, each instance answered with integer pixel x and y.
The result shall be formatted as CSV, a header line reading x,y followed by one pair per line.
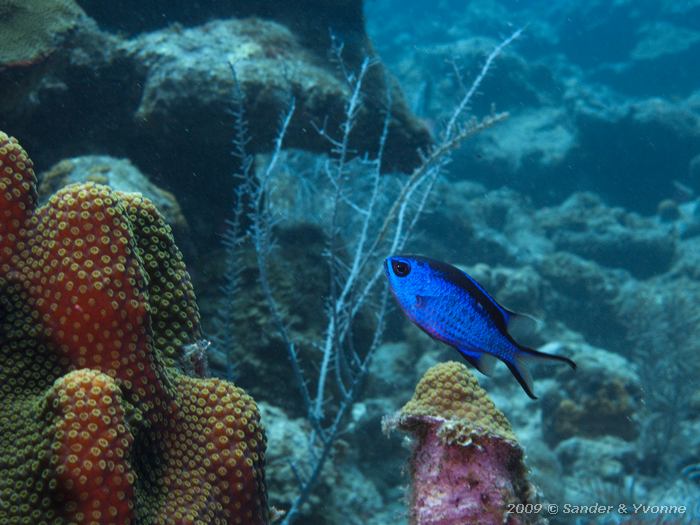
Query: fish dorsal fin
x,y
521,325
467,283
487,296
480,360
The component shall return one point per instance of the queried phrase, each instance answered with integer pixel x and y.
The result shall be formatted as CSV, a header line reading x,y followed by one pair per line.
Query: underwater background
x,y
549,149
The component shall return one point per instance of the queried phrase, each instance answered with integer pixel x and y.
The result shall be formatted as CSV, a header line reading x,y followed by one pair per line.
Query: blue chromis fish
x,y
452,307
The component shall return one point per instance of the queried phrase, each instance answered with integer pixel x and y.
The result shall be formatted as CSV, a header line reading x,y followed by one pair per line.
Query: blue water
x,y
575,200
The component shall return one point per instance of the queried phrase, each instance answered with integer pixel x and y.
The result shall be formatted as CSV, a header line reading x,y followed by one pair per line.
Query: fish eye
x,y
401,269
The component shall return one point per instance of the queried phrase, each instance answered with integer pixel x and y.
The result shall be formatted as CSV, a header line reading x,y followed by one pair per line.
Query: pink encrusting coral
x,y
466,466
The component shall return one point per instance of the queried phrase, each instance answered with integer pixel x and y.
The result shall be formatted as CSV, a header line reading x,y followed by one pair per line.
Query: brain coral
x,y
466,465
98,421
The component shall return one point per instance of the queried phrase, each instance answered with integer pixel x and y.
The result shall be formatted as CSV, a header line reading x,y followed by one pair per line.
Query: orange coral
x,y
98,423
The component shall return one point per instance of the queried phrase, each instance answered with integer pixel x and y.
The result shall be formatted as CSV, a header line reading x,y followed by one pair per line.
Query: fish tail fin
x,y
524,354
521,373
529,353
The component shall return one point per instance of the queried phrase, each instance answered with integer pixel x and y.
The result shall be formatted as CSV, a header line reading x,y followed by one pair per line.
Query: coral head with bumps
x,y
99,421
466,465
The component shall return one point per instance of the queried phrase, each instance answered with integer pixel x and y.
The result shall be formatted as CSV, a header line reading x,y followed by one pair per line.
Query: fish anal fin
x,y
480,360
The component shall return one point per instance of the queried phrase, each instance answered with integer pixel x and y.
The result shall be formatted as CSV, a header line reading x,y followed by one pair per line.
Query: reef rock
x,y
621,120
591,464
31,30
165,97
612,237
520,289
118,174
341,483
600,398
188,81
394,365
472,225
572,282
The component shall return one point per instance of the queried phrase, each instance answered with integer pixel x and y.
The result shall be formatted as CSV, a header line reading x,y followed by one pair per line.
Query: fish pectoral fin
x,y
422,301
479,359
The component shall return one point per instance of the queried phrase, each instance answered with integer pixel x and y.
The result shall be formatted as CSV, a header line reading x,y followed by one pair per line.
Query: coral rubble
x,y
466,465
98,421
